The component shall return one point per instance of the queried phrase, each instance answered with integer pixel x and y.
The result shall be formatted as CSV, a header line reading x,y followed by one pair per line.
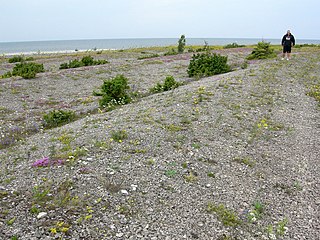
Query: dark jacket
x,y
287,40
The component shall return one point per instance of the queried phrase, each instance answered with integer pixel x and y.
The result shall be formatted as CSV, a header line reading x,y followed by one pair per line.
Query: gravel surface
x,y
233,156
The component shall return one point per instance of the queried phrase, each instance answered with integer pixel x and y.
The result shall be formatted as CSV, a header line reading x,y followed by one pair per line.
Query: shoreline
x,y
71,46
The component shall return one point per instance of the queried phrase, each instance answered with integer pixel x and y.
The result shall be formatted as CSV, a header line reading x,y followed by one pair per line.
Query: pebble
x,y
42,215
119,235
124,192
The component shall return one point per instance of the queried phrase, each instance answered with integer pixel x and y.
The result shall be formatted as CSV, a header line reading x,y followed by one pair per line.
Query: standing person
x,y
287,42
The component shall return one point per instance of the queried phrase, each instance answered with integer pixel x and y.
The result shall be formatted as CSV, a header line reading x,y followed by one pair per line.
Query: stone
x,y
42,215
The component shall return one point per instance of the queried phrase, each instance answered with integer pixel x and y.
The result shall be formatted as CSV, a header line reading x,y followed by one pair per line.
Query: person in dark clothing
x,y
287,42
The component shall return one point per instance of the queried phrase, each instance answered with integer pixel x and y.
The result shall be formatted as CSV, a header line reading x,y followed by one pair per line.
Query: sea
x,y
67,46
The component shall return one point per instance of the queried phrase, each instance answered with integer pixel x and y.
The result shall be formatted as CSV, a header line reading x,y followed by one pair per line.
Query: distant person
x,y
287,42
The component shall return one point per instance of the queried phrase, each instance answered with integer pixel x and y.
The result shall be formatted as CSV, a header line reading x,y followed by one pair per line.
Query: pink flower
x,y
46,161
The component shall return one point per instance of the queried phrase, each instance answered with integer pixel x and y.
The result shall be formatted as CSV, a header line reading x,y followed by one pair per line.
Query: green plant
x,y
259,207
233,45
171,52
314,91
190,177
262,51
181,44
114,92
26,70
170,173
85,61
11,221
227,217
154,55
15,59
119,135
282,227
245,160
169,84
207,64
57,118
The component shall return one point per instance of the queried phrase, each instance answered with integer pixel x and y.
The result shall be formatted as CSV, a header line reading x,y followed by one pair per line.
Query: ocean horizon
x,y
32,47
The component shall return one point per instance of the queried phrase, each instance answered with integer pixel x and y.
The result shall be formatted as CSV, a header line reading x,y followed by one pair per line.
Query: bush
x,y
114,92
171,52
207,64
57,118
15,59
233,45
169,84
85,61
262,51
27,70
181,44
154,55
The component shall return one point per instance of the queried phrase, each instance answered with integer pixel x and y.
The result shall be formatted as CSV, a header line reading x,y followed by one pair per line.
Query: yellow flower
x,y
60,224
64,229
53,230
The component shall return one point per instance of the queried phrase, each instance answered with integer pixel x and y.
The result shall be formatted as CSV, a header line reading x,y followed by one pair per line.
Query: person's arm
x,y
293,41
283,39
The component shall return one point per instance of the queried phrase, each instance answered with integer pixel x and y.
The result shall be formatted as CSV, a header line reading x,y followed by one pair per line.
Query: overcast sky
x,y
31,20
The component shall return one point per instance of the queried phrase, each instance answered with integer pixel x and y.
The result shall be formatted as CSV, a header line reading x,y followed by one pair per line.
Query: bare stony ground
x,y
233,156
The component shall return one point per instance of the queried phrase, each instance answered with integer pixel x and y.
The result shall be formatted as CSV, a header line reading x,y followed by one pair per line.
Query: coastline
x,y
70,46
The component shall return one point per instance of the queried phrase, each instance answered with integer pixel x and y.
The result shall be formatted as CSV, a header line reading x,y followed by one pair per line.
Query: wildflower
x,y
46,161
53,230
64,229
60,224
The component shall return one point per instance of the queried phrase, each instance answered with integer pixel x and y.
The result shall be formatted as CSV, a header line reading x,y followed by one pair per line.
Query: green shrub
x,y
262,51
119,135
15,59
29,59
114,92
27,70
207,64
148,56
171,52
169,84
57,118
6,75
85,61
233,45
75,64
181,44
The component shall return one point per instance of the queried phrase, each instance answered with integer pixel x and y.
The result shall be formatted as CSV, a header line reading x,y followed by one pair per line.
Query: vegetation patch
x,y
207,64
233,45
57,118
169,84
154,55
85,61
25,70
227,217
114,92
262,51
314,91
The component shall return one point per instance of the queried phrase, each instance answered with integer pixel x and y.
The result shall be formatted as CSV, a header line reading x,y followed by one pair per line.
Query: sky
x,y
38,20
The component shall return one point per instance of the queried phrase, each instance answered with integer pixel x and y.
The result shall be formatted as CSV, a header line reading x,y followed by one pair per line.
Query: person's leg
x,y
289,53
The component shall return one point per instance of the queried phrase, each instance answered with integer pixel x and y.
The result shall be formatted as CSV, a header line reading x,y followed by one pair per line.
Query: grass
x,y
226,216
